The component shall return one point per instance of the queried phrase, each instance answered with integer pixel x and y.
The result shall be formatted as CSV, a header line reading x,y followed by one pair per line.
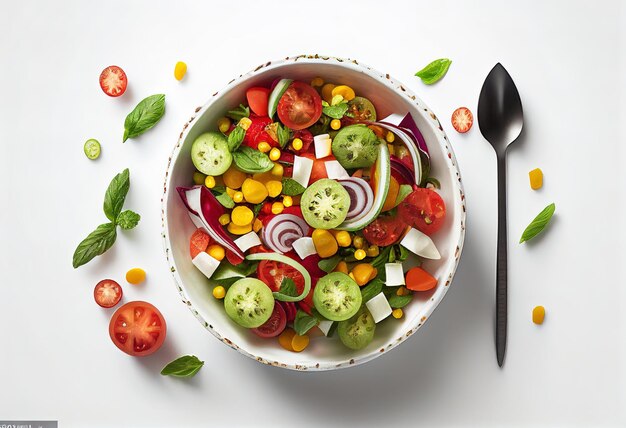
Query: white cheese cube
x,y
335,171
394,274
205,263
304,247
325,326
302,168
323,148
247,241
378,307
420,244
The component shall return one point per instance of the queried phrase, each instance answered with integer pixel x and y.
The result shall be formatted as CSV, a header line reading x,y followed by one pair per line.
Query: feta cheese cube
x,y
247,241
322,146
335,171
378,307
205,264
325,326
302,168
420,244
394,274
304,247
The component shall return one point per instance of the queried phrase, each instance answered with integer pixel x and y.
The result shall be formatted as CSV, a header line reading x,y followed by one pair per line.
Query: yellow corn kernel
x,y
277,207
234,178
254,192
239,230
245,123
317,82
237,197
223,124
358,242
180,69
402,291
345,91
242,215
536,179
209,181
299,343
325,243
136,276
390,137
342,266
539,313
198,178
219,292
257,225
343,238
224,219
264,147
335,124
216,251
397,313
359,254
278,170
327,92
364,273
275,154
274,188
296,144
372,251
287,201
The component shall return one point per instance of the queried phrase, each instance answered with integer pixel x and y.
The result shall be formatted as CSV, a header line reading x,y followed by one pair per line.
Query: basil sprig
x,y
434,71
283,134
336,111
252,161
185,366
103,238
291,187
287,289
239,112
235,138
372,289
144,116
538,224
327,265
304,322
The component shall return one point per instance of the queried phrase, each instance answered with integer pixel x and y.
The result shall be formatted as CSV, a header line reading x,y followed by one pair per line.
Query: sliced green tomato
x,y
291,262
382,177
92,149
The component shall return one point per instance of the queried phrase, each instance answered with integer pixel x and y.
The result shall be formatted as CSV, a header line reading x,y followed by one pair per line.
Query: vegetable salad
x,y
307,207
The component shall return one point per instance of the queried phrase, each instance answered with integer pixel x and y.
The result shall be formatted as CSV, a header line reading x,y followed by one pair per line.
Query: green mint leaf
x,y
434,71
396,301
404,191
238,113
235,138
283,134
292,188
372,289
223,197
95,244
127,219
144,116
252,161
304,322
336,111
538,224
116,194
327,265
185,366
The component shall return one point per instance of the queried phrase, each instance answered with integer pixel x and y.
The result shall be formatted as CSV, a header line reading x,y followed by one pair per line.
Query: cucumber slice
x,y
291,262
277,92
92,149
210,154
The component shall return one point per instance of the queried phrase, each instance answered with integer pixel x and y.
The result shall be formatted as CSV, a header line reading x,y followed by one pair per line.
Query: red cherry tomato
x,y
424,210
319,167
113,81
198,242
274,325
256,132
462,120
107,293
384,230
257,100
137,328
272,273
300,106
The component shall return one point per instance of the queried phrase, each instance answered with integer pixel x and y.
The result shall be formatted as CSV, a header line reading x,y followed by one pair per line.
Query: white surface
x,y
567,59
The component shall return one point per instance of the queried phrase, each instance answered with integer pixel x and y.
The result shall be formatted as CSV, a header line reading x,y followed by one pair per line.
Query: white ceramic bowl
x,y
389,96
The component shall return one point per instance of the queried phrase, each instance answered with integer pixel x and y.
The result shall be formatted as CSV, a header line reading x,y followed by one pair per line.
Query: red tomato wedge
x,y
300,106
272,273
198,242
319,167
424,210
137,328
462,120
384,230
113,81
417,279
107,293
257,100
256,132
273,326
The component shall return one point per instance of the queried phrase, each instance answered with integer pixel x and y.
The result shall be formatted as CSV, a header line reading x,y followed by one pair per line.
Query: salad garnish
x,y
434,71
538,224
144,116
185,366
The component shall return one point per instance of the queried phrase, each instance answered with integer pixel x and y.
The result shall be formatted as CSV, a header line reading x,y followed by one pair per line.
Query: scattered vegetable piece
x,y
538,224
107,293
462,120
417,279
539,313
137,328
186,366
92,149
136,276
113,81
180,69
434,71
144,116
536,179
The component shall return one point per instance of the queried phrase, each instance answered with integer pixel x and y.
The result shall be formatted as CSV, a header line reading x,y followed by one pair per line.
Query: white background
x,y
567,58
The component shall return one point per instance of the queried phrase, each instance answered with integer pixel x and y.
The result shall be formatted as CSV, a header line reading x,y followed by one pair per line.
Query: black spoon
x,y
500,118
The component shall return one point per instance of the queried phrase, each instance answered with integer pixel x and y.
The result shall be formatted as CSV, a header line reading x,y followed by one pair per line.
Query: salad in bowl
x,y
312,215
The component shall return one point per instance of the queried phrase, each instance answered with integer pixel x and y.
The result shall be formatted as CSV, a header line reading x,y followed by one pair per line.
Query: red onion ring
x,y
361,197
401,172
281,231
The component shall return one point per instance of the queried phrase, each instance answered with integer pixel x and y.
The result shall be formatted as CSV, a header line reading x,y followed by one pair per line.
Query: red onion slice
x,y
361,197
282,230
401,171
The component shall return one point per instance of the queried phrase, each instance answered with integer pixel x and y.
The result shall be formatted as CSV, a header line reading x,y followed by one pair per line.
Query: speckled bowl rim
x,y
449,268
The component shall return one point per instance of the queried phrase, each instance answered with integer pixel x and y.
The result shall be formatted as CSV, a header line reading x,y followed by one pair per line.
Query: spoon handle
x,y
501,263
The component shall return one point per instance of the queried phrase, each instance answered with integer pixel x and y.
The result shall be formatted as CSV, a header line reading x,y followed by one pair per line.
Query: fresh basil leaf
x,y
403,253
434,71
291,187
327,265
143,117
239,113
127,219
116,195
288,287
252,161
404,191
322,126
256,209
538,224
95,244
304,322
396,301
431,180
223,197
392,255
283,134
185,366
235,138
381,259
227,273
336,111
372,289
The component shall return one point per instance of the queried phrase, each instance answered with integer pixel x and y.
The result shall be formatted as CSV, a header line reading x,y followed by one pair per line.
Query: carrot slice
x,y
299,343
417,279
286,338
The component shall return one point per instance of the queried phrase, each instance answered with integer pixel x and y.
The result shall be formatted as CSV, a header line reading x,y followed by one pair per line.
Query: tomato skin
x,y
384,231
137,328
198,242
272,273
274,325
113,81
107,293
300,106
256,132
424,210
257,100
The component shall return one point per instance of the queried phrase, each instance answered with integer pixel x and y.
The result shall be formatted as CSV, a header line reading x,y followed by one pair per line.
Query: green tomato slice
x,y
92,149
291,262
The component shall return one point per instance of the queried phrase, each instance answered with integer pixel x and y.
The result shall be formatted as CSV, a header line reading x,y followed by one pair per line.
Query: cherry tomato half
x,y
274,325
272,273
137,328
300,106
113,81
424,210
384,230
257,100
107,293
